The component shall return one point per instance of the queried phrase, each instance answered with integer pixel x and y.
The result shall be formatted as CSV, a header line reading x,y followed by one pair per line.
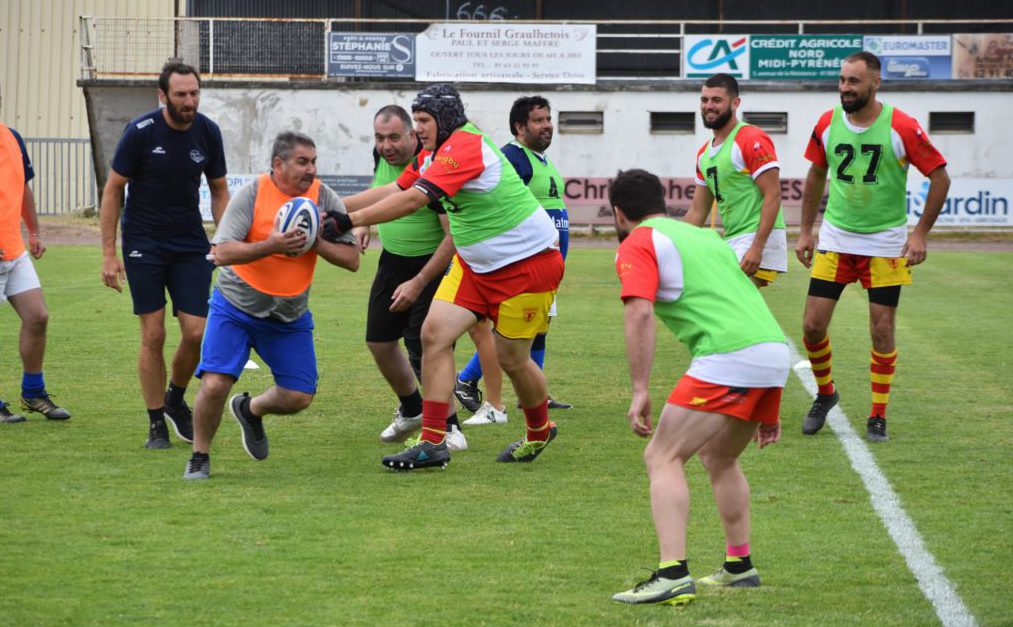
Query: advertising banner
x,y
587,198
983,55
704,55
388,55
970,202
507,53
800,57
912,57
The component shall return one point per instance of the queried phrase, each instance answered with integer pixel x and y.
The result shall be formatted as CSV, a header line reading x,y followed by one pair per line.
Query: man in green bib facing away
x,y
866,146
739,170
416,252
730,395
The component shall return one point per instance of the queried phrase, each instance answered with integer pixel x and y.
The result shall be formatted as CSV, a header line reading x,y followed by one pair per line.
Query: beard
x,y
860,101
719,121
178,116
536,142
621,233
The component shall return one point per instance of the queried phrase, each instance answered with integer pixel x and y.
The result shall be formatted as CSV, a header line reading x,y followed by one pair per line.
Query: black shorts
x,y
384,325
154,266
888,296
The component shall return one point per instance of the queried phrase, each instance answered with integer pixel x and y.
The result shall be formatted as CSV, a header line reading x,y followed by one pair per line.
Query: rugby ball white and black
x,y
299,213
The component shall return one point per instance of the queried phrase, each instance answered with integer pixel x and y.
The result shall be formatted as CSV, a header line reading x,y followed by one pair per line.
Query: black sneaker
x,y
181,419
198,467
7,416
468,393
254,437
419,454
875,430
525,450
554,404
45,406
817,415
158,435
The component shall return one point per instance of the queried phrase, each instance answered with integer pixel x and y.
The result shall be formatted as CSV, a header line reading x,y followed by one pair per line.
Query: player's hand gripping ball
x,y
299,213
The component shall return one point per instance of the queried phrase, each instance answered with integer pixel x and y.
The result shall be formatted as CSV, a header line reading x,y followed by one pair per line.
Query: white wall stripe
x,y
939,590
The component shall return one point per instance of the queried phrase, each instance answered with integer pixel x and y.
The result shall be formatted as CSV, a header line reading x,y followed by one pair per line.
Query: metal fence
x,y
64,175
241,48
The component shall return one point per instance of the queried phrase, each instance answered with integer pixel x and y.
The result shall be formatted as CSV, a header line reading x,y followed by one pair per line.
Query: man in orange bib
x,y
18,281
261,300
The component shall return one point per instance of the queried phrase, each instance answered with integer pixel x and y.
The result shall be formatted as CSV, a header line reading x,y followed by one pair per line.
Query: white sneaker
x,y
401,427
487,415
455,439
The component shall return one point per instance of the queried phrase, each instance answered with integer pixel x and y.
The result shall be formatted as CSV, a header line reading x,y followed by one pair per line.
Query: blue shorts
x,y
562,221
286,347
154,266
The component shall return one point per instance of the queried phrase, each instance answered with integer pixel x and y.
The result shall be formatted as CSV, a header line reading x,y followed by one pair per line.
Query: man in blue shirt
x,y
162,155
531,124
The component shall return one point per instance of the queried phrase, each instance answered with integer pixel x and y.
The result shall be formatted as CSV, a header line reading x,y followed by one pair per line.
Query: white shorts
x,y
16,276
775,253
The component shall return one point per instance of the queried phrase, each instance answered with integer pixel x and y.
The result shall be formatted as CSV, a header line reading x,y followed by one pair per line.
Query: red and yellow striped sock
x,y
819,358
434,421
881,369
537,419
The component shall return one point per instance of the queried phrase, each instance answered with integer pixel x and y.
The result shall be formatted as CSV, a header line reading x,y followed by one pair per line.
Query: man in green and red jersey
x,y
866,146
531,124
507,267
416,252
730,395
739,169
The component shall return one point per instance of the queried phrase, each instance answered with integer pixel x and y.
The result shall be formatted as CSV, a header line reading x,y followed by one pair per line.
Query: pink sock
x,y
741,550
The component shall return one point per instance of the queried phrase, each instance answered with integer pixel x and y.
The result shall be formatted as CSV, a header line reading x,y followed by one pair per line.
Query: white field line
x,y
939,590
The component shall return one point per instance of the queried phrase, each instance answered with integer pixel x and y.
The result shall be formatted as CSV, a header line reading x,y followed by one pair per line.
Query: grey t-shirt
x,y
235,225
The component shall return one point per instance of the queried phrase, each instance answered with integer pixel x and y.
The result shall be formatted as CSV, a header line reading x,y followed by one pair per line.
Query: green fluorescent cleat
x,y
725,579
659,590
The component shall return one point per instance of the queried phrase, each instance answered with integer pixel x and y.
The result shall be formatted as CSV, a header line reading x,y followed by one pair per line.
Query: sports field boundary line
x,y
932,581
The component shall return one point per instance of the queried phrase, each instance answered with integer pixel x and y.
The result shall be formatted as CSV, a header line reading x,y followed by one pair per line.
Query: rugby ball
x,y
299,213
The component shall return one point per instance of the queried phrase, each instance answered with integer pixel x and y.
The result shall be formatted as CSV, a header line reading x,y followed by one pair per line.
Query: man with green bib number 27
x,y
730,395
507,268
739,170
866,146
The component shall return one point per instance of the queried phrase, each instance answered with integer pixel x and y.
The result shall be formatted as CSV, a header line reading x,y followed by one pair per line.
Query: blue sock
x,y
538,350
472,371
32,385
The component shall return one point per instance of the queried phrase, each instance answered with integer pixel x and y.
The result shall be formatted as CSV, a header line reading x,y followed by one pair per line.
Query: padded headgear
x,y
443,103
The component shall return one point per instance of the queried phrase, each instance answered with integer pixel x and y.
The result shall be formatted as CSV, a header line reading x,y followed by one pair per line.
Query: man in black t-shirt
x,y
162,155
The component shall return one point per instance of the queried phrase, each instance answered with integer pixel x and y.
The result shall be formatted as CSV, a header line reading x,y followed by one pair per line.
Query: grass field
x,y
94,529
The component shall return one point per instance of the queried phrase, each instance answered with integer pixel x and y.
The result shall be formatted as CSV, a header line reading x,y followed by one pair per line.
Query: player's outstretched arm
x,y
369,197
390,208
812,194
113,274
640,334
916,247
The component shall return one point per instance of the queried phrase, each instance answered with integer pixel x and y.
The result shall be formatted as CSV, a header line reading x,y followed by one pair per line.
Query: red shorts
x,y
760,404
517,297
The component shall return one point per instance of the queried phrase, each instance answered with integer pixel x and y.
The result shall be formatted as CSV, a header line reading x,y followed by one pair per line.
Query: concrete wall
x,y
339,118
